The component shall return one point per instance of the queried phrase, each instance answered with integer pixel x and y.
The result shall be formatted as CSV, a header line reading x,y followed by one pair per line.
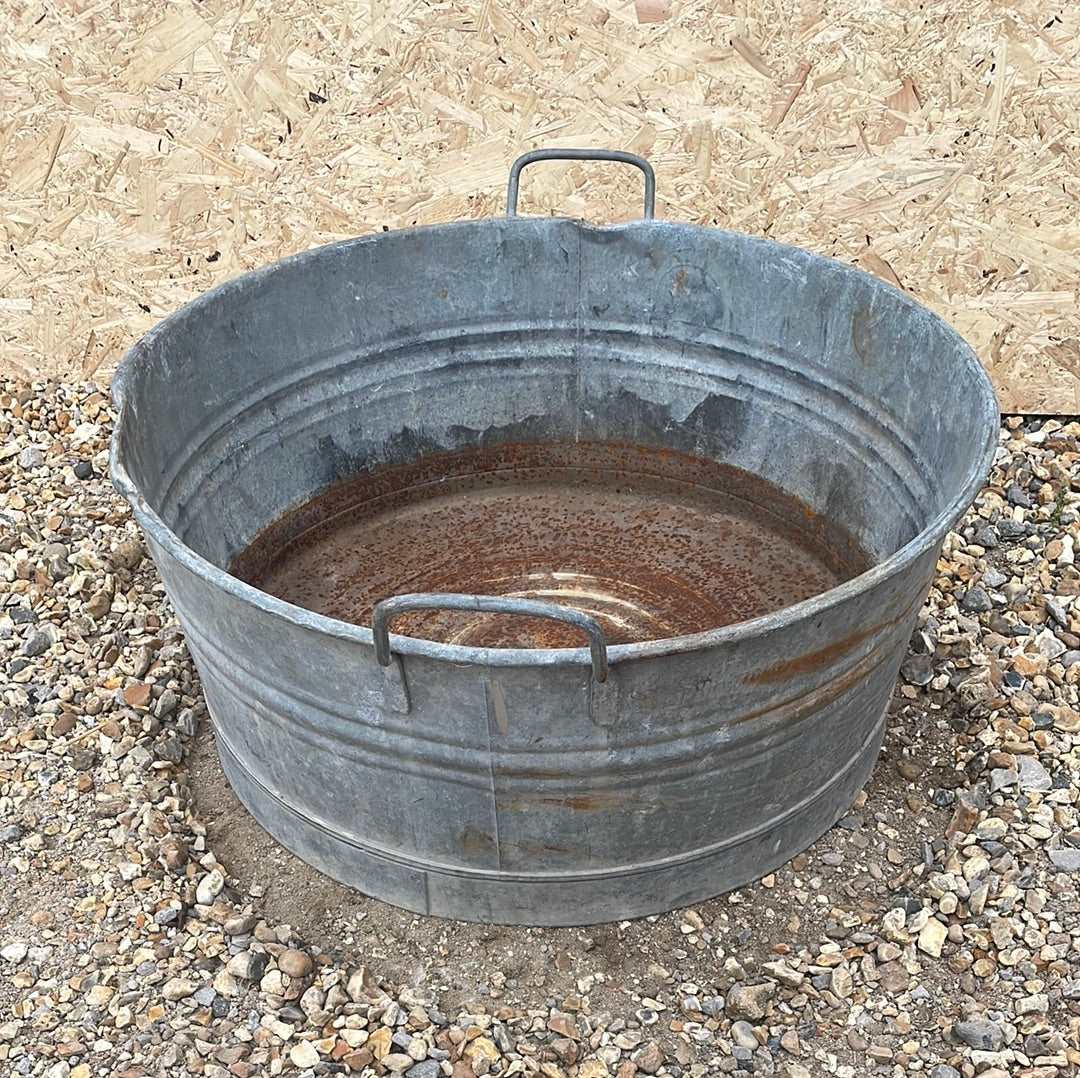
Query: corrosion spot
x,y
474,840
862,334
811,661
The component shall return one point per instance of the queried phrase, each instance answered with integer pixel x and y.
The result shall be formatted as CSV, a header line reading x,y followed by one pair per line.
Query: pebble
x,y
248,965
932,937
37,642
209,887
743,1033
749,1000
30,458
178,988
986,1036
976,601
294,963
304,1054
1067,859
1031,775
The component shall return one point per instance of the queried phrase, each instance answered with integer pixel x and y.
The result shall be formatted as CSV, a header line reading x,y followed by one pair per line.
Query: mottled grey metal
x,y
507,784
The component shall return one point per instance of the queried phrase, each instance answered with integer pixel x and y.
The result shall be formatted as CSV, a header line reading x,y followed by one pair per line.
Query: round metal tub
x,y
549,785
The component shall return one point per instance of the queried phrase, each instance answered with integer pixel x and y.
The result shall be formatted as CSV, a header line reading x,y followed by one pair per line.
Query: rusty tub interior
x,y
651,543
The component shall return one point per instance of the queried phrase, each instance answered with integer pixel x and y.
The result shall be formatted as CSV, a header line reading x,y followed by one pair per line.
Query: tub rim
x,y
929,537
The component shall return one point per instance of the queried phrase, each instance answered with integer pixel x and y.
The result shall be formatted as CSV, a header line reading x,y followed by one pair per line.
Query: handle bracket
x,y
580,155
489,604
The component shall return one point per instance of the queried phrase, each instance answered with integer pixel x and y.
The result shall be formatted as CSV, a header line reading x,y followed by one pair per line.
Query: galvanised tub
x,y
549,785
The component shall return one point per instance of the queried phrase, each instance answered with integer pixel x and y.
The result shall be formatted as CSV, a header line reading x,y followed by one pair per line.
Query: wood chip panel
x,y
149,150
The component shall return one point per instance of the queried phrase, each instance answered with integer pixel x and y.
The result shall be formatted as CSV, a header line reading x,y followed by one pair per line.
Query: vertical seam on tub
x,y
579,333
491,780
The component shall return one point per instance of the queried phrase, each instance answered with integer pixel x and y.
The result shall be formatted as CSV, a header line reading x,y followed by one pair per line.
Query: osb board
x,y
149,150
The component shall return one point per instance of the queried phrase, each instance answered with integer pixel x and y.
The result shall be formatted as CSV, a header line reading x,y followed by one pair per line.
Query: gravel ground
x,y
147,926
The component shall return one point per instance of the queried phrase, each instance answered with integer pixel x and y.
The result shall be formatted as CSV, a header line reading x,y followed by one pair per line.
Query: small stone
x,y
362,986
14,952
563,1024
379,1042
841,982
240,925
963,820
100,994
30,458
128,554
1001,778
99,604
742,1033
1031,775
1018,496
138,694
1038,1003
1067,859
749,1001
178,988
294,963
992,828
83,470
83,759
909,769
209,887
249,965
943,1070
173,851
649,1059
986,1036
976,601
782,972
1049,645
304,1054
932,937
37,642
482,1049
430,1068
918,669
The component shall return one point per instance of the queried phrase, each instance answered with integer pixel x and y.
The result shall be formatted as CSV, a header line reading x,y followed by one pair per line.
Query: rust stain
x,y
862,334
535,849
497,712
678,282
813,660
473,840
592,802
565,523
816,660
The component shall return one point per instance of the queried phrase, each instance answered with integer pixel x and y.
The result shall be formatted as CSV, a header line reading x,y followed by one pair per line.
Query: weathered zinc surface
x,y
514,784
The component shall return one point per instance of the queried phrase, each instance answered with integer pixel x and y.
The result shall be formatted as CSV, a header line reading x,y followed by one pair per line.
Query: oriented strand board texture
x,y
148,150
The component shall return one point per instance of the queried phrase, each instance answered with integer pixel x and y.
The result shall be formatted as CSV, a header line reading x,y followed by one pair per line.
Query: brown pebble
x,y
294,963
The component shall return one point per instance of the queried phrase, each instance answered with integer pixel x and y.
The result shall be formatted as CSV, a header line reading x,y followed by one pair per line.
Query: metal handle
x,y
580,155
488,604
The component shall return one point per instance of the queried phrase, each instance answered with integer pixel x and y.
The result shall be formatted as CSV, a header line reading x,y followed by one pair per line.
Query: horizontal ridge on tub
x,y
273,409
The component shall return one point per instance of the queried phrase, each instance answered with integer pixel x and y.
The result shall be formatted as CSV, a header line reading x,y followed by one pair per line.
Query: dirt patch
x,y
845,881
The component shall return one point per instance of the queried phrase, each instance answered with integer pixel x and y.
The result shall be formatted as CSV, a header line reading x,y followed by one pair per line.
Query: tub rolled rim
x,y
926,539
